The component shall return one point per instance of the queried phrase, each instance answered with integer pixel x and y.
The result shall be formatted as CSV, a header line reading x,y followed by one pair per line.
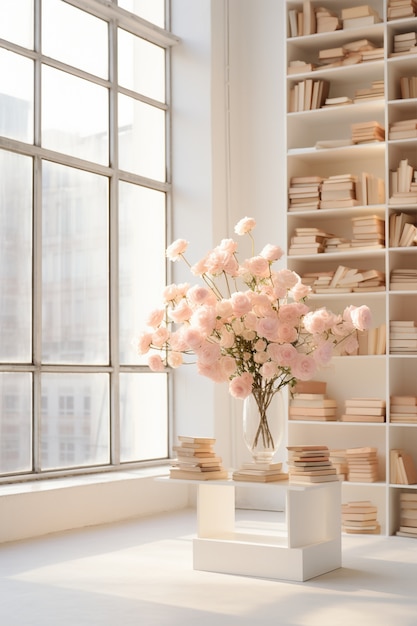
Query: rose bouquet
x,y
246,324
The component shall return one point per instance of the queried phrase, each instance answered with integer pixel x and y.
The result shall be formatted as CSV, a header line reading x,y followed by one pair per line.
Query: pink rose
x,y
257,266
227,338
193,338
286,278
269,370
268,327
199,268
204,319
155,363
177,342
300,291
160,336
170,293
144,342
228,365
155,317
175,359
250,321
319,321
219,261
176,249
224,308
272,253
291,313
284,354
228,245
241,386
361,317
208,353
240,303
245,225
214,371
304,367
323,353
350,344
181,313
286,333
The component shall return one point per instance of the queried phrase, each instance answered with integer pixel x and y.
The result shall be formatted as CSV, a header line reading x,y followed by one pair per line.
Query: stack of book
x,y
197,460
308,240
403,337
408,515
359,17
405,129
368,231
403,279
360,517
402,229
304,193
370,189
402,468
310,464
408,87
405,43
403,409
403,184
312,20
338,191
374,92
338,459
373,340
362,464
300,67
337,101
364,132
398,9
326,21
364,410
260,473
345,279
308,94
312,406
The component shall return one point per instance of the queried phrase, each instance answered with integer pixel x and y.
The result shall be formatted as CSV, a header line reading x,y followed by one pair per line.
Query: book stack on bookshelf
x,y
308,94
405,129
370,189
312,406
404,43
408,87
304,193
326,21
300,67
362,464
403,183
364,132
310,464
373,341
360,517
402,468
403,409
338,191
368,231
402,230
374,92
359,17
197,460
337,101
337,244
312,20
403,279
260,473
364,410
338,458
408,515
308,240
403,337
345,279
398,9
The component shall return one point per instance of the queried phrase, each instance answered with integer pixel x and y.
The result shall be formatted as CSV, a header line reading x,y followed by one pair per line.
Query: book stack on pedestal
x,y
403,337
312,406
402,468
338,459
197,460
360,517
364,410
364,132
362,464
408,515
310,464
260,473
403,409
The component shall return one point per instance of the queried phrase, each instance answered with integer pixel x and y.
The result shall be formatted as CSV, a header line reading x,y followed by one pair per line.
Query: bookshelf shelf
x,y
390,374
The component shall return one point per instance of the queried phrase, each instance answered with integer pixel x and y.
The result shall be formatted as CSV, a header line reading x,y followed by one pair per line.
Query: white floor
x,y
140,573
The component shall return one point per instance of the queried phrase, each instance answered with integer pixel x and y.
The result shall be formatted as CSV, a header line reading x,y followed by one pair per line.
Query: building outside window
x,y
84,208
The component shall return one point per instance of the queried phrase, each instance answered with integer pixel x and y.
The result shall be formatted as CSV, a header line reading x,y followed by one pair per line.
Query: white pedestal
x,y
312,545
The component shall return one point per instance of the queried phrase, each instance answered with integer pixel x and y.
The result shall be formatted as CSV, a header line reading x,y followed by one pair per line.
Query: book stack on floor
x,y
338,191
197,460
404,43
359,17
364,132
312,406
403,409
308,240
368,232
374,92
403,337
403,279
260,473
304,193
398,9
408,515
364,410
310,464
402,468
360,517
338,458
362,464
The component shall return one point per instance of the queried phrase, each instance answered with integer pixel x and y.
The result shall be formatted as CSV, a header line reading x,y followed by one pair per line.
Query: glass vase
x,y
263,428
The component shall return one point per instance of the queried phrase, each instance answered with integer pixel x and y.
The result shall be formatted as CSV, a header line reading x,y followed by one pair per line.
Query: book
x,y
262,478
302,478
197,440
185,474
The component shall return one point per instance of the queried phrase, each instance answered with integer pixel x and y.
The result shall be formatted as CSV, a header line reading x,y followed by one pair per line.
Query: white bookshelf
x,y
371,375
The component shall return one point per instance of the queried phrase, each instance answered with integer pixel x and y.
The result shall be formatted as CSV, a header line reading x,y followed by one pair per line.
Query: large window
x,y
84,195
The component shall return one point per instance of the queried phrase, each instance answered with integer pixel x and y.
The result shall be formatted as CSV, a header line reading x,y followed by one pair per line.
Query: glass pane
x,y
141,227
141,138
75,420
16,96
141,66
15,422
16,22
75,116
150,10
62,25
15,257
143,417
75,266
